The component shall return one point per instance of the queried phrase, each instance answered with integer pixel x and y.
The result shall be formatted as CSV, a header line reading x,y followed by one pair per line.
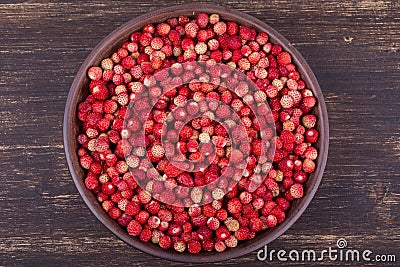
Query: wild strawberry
x,y
262,38
95,73
117,79
142,216
185,179
286,164
232,28
180,246
309,101
145,235
183,20
286,101
311,135
287,137
132,208
222,233
91,182
165,242
204,233
234,42
144,197
245,197
156,43
221,214
213,44
214,18
202,20
156,153
294,76
300,177
300,149
107,64
231,242
271,221
191,29
219,28
244,64
110,106
284,58
245,33
172,171
308,165
213,223
296,96
234,205
114,213
279,214
134,228
219,246
311,153
163,29
272,185
296,190
155,236
200,48
123,99
242,234
309,121
154,222
99,92
86,161
254,58
175,230
121,167
194,246
255,225
202,35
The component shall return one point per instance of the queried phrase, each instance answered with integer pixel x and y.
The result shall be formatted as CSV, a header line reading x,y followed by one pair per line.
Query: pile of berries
x,y
159,78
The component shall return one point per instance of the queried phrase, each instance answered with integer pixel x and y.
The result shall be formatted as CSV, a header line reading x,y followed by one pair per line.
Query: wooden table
x,y
353,48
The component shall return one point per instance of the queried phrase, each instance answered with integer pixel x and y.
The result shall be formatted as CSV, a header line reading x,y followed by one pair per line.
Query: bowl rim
x,y
121,33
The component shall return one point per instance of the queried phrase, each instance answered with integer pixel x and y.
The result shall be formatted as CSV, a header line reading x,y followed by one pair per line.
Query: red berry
x,y
222,233
145,235
308,165
191,29
271,221
243,233
300,177
232,28
309,121
132,208
234,205
134,228
311,135
194,246
284,58
95,73
202,20
296,190
165,242
99,92
255,224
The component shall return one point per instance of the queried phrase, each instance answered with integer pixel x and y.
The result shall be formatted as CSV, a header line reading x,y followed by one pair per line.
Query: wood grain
x,y
353,48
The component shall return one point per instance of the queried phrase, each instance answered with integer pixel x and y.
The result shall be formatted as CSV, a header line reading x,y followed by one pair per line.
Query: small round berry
x,y
194,246
296,190
134,228
95,73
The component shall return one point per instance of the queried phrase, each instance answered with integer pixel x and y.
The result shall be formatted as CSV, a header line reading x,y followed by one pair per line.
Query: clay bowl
x,y
79,90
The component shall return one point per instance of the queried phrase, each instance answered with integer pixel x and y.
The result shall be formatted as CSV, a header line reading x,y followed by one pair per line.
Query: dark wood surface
x,y
353,48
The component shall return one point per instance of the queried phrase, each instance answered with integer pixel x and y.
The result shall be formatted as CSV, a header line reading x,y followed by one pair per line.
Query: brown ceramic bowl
x,y
79,90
